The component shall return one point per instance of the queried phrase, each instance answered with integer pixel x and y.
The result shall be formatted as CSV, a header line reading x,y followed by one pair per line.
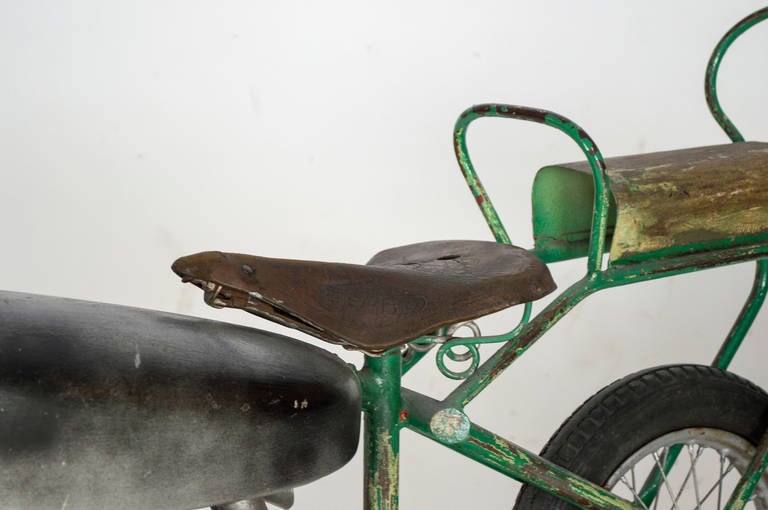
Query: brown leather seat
x,y
401,294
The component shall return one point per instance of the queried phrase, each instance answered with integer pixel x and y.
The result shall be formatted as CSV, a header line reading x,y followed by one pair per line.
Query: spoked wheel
x,y
626,435
705,472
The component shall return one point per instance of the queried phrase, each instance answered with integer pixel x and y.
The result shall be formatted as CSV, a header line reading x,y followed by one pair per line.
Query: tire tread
x,y
579,431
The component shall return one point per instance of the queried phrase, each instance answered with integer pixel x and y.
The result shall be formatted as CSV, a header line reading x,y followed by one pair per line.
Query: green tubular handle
x,y
710,78
570,128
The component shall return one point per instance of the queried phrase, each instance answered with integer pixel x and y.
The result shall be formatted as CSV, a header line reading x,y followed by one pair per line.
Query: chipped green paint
x,y
675,251
380,383
511,460
668,203
387,411
389,407
710,79
751,477
613,276
759,289
698,199
747,316
473,181
382,485
570,128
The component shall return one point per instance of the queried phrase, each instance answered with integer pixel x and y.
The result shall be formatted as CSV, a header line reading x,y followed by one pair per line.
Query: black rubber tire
x,y
622,417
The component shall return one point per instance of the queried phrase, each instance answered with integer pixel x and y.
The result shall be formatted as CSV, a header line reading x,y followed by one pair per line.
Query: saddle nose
x,y
198,266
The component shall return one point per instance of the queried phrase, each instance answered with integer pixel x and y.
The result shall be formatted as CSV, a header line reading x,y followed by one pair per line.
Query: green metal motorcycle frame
x,y
389,407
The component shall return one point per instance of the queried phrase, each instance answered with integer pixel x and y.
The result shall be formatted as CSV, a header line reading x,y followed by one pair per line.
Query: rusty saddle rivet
x,y
450,425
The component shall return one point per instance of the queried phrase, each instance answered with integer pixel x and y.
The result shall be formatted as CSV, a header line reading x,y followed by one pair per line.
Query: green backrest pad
x,y
667,203
562,212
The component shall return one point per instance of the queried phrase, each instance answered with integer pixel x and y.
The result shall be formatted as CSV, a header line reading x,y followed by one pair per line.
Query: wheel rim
x,y
703,476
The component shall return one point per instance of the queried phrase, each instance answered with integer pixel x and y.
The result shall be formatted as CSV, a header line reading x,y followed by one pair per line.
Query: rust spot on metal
x,y
403,416
487,447
557,482
482,108
533,114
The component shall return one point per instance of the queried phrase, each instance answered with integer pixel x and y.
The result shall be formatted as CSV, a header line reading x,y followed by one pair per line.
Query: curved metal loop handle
x,y
710,79
570,128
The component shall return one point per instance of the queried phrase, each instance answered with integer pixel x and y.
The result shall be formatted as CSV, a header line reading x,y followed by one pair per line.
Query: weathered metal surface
x,y
567,126
384,417
710,78
105,406
751,476
746,317
760,287
699,199
402,293
526,335
511,460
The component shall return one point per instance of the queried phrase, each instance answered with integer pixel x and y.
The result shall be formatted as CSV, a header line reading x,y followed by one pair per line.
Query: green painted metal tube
x,y
380,382
760,288
746,317
509,459
614,276
750,477
570,128
412,359
710,78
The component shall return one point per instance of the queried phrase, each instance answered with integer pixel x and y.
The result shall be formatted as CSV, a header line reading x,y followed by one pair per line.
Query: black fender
x,y
107,406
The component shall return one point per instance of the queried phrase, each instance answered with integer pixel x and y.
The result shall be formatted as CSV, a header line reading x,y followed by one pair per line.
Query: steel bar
x,y
507,458
380,380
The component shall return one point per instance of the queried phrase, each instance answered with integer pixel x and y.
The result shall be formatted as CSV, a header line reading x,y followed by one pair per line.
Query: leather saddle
x,y
399,295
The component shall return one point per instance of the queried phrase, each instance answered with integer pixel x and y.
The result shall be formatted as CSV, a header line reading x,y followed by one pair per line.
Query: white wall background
x,y
135,132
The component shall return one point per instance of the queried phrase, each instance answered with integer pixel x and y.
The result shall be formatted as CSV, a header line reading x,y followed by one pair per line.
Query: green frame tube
x,y
713,66
750,478
491,450
380,384
388,408
760,287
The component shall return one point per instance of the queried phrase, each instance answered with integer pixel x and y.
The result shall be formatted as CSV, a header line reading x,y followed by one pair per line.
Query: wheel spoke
x,y
699,451
664,475
718,484
634,481
691,473
632,488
